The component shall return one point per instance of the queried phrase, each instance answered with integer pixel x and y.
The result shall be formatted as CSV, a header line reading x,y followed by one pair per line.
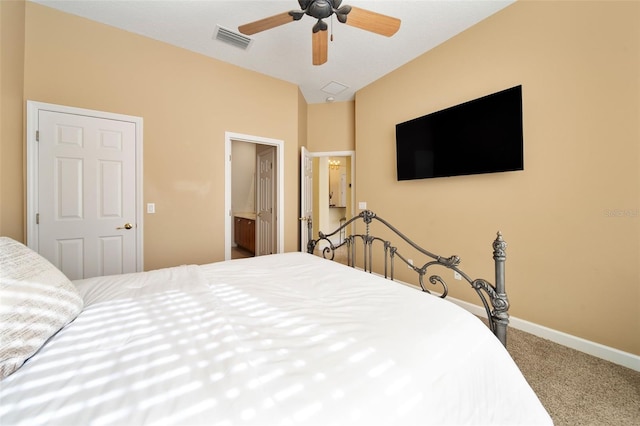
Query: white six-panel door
x,y
87,194
265,200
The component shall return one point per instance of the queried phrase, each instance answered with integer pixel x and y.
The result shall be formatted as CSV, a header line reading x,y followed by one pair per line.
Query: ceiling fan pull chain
x,y
331,38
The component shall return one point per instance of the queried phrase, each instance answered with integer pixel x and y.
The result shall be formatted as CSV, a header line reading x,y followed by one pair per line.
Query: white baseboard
x,y
616,356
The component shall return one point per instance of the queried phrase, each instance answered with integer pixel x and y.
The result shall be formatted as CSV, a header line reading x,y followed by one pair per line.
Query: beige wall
x,y
187,102
573,265
11,123
303,110
243,177
331,126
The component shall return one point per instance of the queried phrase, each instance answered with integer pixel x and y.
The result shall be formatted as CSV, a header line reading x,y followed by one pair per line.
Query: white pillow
x,y
36,300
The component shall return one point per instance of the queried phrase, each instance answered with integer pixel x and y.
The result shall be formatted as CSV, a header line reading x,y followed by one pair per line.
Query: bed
x,y
285,339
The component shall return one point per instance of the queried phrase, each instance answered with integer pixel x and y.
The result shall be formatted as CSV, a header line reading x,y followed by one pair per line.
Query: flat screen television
x,y
480,136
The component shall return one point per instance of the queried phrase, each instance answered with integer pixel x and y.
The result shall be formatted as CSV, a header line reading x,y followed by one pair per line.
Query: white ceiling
x,y
356,57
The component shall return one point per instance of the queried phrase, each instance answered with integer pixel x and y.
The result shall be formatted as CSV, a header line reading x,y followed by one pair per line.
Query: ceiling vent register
x,y
230,37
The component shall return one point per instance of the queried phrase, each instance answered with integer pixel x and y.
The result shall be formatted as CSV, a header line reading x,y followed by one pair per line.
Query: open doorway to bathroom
x,y
254,196
327,180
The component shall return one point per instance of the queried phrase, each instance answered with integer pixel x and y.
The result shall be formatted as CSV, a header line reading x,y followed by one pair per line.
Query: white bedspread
x,y
286,339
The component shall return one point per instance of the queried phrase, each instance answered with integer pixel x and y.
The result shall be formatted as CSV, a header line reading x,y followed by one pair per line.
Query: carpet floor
x,y
576,388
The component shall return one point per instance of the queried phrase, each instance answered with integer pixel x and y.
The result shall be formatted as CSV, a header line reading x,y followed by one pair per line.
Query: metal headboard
x,y
493,297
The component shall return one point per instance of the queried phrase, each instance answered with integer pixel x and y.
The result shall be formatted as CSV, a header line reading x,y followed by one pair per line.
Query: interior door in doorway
x,y
86,194
265,200
306,197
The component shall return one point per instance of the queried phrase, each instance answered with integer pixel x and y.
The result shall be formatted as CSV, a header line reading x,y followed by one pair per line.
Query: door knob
x,y
126,226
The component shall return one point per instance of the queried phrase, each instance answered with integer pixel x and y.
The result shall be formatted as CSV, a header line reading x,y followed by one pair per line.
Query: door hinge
x,y
37,218
37,135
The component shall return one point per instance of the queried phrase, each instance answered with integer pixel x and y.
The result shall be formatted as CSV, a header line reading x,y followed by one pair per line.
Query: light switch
x,y
151,207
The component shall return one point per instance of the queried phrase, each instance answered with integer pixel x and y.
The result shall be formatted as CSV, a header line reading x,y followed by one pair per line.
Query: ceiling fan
x,y
321,9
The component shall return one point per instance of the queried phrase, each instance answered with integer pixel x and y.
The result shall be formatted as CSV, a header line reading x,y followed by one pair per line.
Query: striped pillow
x,y
36,301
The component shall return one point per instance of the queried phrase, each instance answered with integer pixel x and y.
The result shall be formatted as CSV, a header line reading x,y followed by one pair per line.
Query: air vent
x,y
334,88
230,37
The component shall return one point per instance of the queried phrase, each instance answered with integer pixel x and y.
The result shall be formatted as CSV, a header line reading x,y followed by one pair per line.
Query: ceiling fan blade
x,y
372,21
320,46
266,23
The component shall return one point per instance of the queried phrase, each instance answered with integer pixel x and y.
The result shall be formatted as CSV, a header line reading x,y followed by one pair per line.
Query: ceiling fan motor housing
x,y
319,9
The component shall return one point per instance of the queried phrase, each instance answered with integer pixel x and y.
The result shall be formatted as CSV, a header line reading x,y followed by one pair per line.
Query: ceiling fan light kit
x,y
322,9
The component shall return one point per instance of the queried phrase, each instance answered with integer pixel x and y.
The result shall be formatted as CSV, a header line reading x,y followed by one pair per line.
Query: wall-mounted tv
x,y
480,136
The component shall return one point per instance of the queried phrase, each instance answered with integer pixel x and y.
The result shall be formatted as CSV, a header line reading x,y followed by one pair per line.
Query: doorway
x,y
254,197
328,191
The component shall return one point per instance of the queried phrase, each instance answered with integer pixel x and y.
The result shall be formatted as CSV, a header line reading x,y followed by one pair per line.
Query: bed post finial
x,y
500,303
499,247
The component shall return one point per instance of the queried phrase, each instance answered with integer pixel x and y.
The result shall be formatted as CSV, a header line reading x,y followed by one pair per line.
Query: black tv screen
x,y
480,136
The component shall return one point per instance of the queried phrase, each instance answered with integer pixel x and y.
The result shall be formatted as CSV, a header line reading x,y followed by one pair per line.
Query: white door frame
x,y
279,144
306,196
33,108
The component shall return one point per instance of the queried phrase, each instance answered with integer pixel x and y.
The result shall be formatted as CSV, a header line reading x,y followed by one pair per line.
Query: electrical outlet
x,y
457,275
410,263
362,205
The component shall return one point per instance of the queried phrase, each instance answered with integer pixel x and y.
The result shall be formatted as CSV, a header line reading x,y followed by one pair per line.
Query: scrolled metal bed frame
x,y
493,297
